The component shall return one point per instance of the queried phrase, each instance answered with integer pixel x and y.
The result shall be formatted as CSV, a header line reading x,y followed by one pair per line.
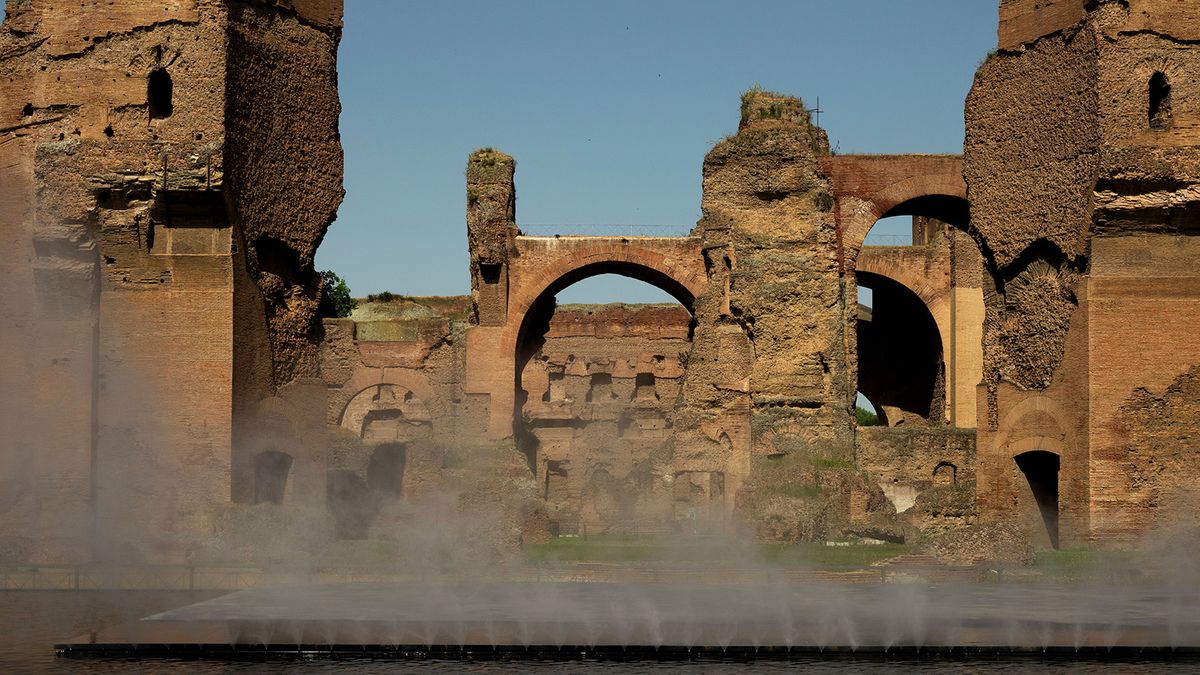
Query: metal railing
x,y
594,230
888,240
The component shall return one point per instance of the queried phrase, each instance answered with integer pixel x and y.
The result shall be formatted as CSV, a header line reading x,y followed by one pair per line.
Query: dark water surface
x,y
32,622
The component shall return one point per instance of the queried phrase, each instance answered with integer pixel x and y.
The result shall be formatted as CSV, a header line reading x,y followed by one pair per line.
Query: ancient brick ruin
x,y
1030,353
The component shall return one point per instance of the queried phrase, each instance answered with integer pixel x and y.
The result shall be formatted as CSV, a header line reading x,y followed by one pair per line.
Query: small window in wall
x,y
160,90
490,272
945,474
601,389
1160,102
270,476
644,388
556,388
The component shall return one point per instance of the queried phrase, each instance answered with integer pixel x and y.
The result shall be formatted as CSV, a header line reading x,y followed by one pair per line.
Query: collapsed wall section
x,y
284,160
1094,114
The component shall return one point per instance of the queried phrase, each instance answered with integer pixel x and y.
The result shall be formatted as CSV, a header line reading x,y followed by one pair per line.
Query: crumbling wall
x,y
491,222
284,162
395,373
906,462
773,287
1163,448
769,346
1031,157
114,135
116,144
602,390
1094,116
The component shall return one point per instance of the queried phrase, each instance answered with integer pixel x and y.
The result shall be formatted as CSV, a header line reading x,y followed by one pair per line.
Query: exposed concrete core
x,y
1081,165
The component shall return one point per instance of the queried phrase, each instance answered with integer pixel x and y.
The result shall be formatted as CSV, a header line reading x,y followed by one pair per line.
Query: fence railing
x,y
888,240
643,230
594,230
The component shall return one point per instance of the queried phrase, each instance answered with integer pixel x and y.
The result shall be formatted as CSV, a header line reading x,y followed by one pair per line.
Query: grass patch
x,y
797,491
702,550
823,556
1079,563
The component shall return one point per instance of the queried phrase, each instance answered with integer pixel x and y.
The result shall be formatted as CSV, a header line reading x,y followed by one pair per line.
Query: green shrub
x,y
865,417
336,300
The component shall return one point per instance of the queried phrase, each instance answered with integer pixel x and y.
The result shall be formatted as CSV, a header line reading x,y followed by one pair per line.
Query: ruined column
x,y
766,385
491,225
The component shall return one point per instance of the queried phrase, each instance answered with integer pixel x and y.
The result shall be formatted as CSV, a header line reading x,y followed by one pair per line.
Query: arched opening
x,y
920,259
385,470
1039,504
867,414
1160,102
900,366
599,364
893,231
948,209
160,91
271,471
945,473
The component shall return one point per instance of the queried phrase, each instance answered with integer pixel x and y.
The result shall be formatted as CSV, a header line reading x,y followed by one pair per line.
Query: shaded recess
x,y
900,361
531,335
385,470
1160,102
1040,468
949,209
1030,312
271,469
160,93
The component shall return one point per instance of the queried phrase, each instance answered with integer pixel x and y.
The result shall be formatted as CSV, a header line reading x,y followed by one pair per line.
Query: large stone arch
x,y
681,278
545,265
673,265
869,187
910,385
928,196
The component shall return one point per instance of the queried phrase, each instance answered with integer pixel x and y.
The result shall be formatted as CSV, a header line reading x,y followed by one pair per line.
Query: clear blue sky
x,y
609,108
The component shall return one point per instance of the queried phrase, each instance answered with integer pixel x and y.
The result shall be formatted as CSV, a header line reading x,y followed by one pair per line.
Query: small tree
x,y
336,300
866,418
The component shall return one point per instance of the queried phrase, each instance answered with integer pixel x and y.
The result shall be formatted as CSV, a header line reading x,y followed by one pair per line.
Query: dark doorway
x,y
1041,470
350,502
1160,102
385,470
271,470
159,95
900,363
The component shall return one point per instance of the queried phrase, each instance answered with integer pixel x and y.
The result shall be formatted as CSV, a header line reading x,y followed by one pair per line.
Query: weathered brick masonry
x,y
167,170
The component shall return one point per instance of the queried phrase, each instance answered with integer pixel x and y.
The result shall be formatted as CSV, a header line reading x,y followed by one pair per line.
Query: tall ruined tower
x,y
168,169
1083,174
767,375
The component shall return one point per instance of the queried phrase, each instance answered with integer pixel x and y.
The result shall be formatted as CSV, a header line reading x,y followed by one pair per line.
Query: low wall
x,y
906,461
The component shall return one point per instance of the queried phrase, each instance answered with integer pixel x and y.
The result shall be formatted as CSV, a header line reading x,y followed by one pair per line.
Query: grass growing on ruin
x,y
614,548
